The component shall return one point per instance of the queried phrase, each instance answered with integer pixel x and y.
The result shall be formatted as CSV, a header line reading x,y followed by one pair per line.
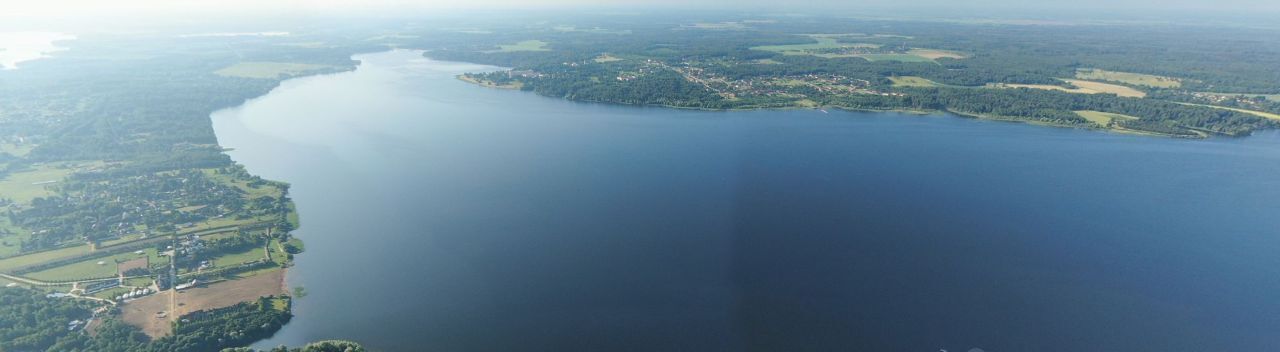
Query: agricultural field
x,y
268,70
1136,79
41,257
90,269
1103,119
895,57
828,46
1268,115
1082,87
934,54
527,45
228,293
18,150
913,81
822,43
142,314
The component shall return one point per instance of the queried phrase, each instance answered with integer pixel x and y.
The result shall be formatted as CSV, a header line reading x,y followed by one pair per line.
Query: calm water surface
x,y
441,216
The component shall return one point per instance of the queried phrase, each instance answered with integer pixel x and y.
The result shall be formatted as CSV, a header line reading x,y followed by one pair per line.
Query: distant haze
x,y
99,8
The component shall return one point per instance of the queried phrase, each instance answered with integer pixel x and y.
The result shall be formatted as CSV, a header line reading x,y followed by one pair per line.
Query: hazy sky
x,y
101,8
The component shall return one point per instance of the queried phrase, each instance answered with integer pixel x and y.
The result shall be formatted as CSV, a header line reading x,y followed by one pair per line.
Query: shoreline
x,y
1119,130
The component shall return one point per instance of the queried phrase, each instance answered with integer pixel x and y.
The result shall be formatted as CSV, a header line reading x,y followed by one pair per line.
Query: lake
x,y
17,47
443,216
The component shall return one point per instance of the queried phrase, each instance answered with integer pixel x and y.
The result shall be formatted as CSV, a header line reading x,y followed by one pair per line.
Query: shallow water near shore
x,y
444,216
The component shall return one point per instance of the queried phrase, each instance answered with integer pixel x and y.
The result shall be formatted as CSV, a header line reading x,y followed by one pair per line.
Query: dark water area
x,y
442,216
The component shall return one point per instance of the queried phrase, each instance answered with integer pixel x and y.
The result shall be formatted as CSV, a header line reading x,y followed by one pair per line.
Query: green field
x,y
267,70
24,186
90,269
41,257
138,282
528,45
1103,119
913,81
822,43
1136,79
233,259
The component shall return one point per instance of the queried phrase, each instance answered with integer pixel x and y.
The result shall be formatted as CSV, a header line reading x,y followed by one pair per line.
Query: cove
x,y
443,216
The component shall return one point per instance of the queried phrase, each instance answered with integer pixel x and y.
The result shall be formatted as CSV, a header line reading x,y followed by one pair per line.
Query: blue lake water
x,y
442,216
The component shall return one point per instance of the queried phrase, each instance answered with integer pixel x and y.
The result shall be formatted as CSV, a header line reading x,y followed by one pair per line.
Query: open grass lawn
x,y
89,269
219,223
138,281
267,70
41,257
1103,119
1136,79
24,186
913,81
237,258
528,45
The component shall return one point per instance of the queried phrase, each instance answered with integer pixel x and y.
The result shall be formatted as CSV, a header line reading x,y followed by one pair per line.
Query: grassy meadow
x,y
1136,79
